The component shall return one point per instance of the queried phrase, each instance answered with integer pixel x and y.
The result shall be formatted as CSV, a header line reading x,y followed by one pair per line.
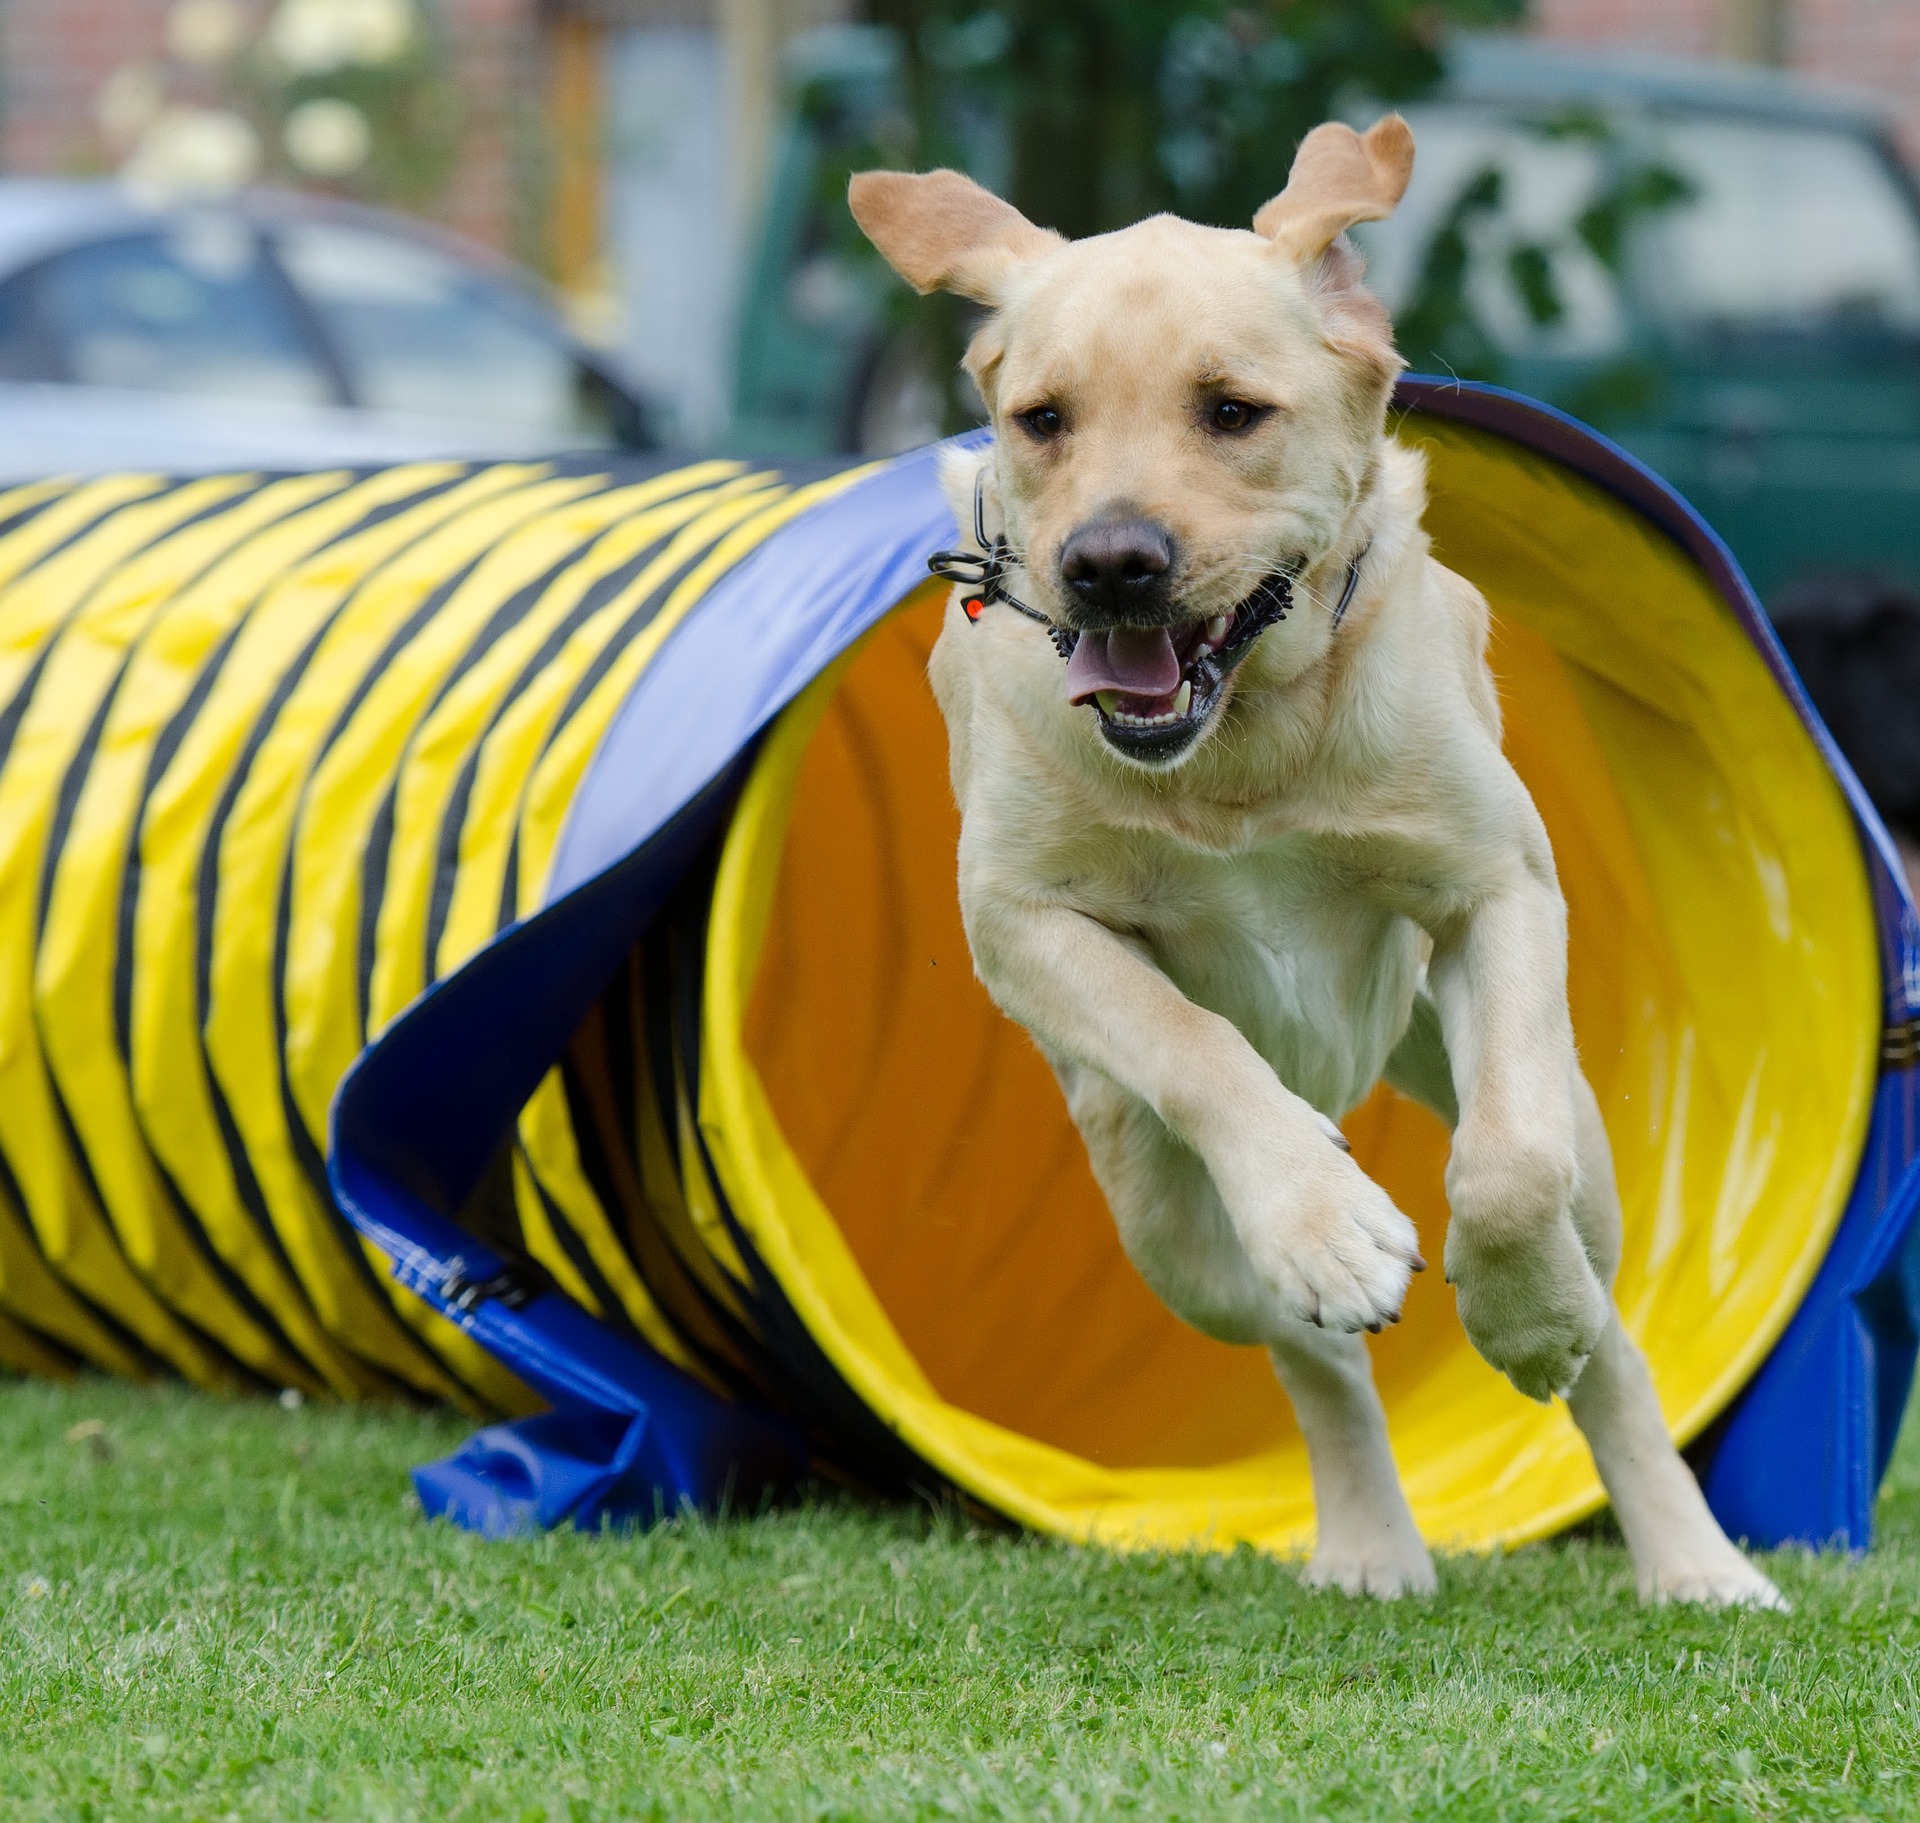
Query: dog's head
x,y
1183,415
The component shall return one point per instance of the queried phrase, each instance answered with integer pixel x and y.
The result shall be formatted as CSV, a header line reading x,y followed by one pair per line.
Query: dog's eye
x,y
1234,414
1043,422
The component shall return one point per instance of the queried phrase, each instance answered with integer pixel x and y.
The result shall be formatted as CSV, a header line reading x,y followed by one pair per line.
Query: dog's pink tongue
x,y
1136,661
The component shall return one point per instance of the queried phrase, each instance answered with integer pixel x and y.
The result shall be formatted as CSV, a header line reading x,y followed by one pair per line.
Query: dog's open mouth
x,y
1153,688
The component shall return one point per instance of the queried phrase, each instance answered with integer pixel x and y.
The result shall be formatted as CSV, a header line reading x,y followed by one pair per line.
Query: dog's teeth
x,y
1183,698
1109,701
1216,629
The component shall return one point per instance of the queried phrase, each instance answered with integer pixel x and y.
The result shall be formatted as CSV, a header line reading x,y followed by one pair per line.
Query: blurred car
x,y
1717,264
279,331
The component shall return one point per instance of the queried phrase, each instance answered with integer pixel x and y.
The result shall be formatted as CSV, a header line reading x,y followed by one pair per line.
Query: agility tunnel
x,y
488,933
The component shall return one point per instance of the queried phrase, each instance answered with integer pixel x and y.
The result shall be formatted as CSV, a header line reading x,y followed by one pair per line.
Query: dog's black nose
x,y
1118,568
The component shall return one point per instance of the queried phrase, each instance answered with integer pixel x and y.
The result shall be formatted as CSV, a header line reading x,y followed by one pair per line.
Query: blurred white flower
x,y
205,31
327,137
313,36
383,28
128,101
305,35
193,151
35,1588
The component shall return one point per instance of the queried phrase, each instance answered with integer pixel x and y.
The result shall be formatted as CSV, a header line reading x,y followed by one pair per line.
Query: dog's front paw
x,y
1332,1249
1529,1298
1533,1307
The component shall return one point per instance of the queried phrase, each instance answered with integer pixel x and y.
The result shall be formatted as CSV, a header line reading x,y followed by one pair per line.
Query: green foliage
x,y
213,1609
1115,109
1092,114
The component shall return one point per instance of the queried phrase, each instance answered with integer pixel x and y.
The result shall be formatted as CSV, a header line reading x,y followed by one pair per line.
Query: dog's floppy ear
x,y
942,232
1339,177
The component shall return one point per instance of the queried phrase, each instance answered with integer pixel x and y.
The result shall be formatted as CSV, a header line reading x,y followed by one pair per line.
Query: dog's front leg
x,y
1325,1243
1530,1297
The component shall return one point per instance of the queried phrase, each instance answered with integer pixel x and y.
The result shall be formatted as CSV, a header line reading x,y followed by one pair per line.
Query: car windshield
x,y
418,333
1787,229
1728,226
194,310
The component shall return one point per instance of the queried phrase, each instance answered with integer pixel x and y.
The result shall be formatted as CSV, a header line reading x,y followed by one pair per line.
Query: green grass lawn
x,y
218,1610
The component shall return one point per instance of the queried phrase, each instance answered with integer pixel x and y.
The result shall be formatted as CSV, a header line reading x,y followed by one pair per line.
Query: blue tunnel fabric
x,y
630,1434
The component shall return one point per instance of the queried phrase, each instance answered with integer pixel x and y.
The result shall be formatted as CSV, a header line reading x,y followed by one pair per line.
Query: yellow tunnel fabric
x,y
275,754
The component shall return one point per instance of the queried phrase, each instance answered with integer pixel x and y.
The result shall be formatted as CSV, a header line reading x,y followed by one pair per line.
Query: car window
x,y
1789,228
1544,183
27,350
196,309
418,332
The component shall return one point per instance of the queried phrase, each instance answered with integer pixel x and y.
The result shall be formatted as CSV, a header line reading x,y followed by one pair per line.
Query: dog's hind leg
x,y
1679,1551
1367,1543
1177,1233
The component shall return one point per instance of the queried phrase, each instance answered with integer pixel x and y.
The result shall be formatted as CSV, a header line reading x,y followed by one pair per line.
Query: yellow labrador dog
x,y
1254,843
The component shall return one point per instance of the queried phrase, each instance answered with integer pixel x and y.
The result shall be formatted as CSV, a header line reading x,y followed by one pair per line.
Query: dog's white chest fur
x,y
1319,979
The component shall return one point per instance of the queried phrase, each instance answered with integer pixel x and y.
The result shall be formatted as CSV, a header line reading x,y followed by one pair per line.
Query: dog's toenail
x,y
1419,1264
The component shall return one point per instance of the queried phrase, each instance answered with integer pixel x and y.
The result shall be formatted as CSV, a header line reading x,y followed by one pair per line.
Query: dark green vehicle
x,y
1719,266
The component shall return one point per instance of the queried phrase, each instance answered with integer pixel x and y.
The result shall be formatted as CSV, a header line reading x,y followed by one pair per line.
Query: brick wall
x,y
1684,27
501,75
56,54
1866,44
1872,44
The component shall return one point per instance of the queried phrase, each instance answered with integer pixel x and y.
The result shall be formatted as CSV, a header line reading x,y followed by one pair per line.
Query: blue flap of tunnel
x,y
1798,1457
